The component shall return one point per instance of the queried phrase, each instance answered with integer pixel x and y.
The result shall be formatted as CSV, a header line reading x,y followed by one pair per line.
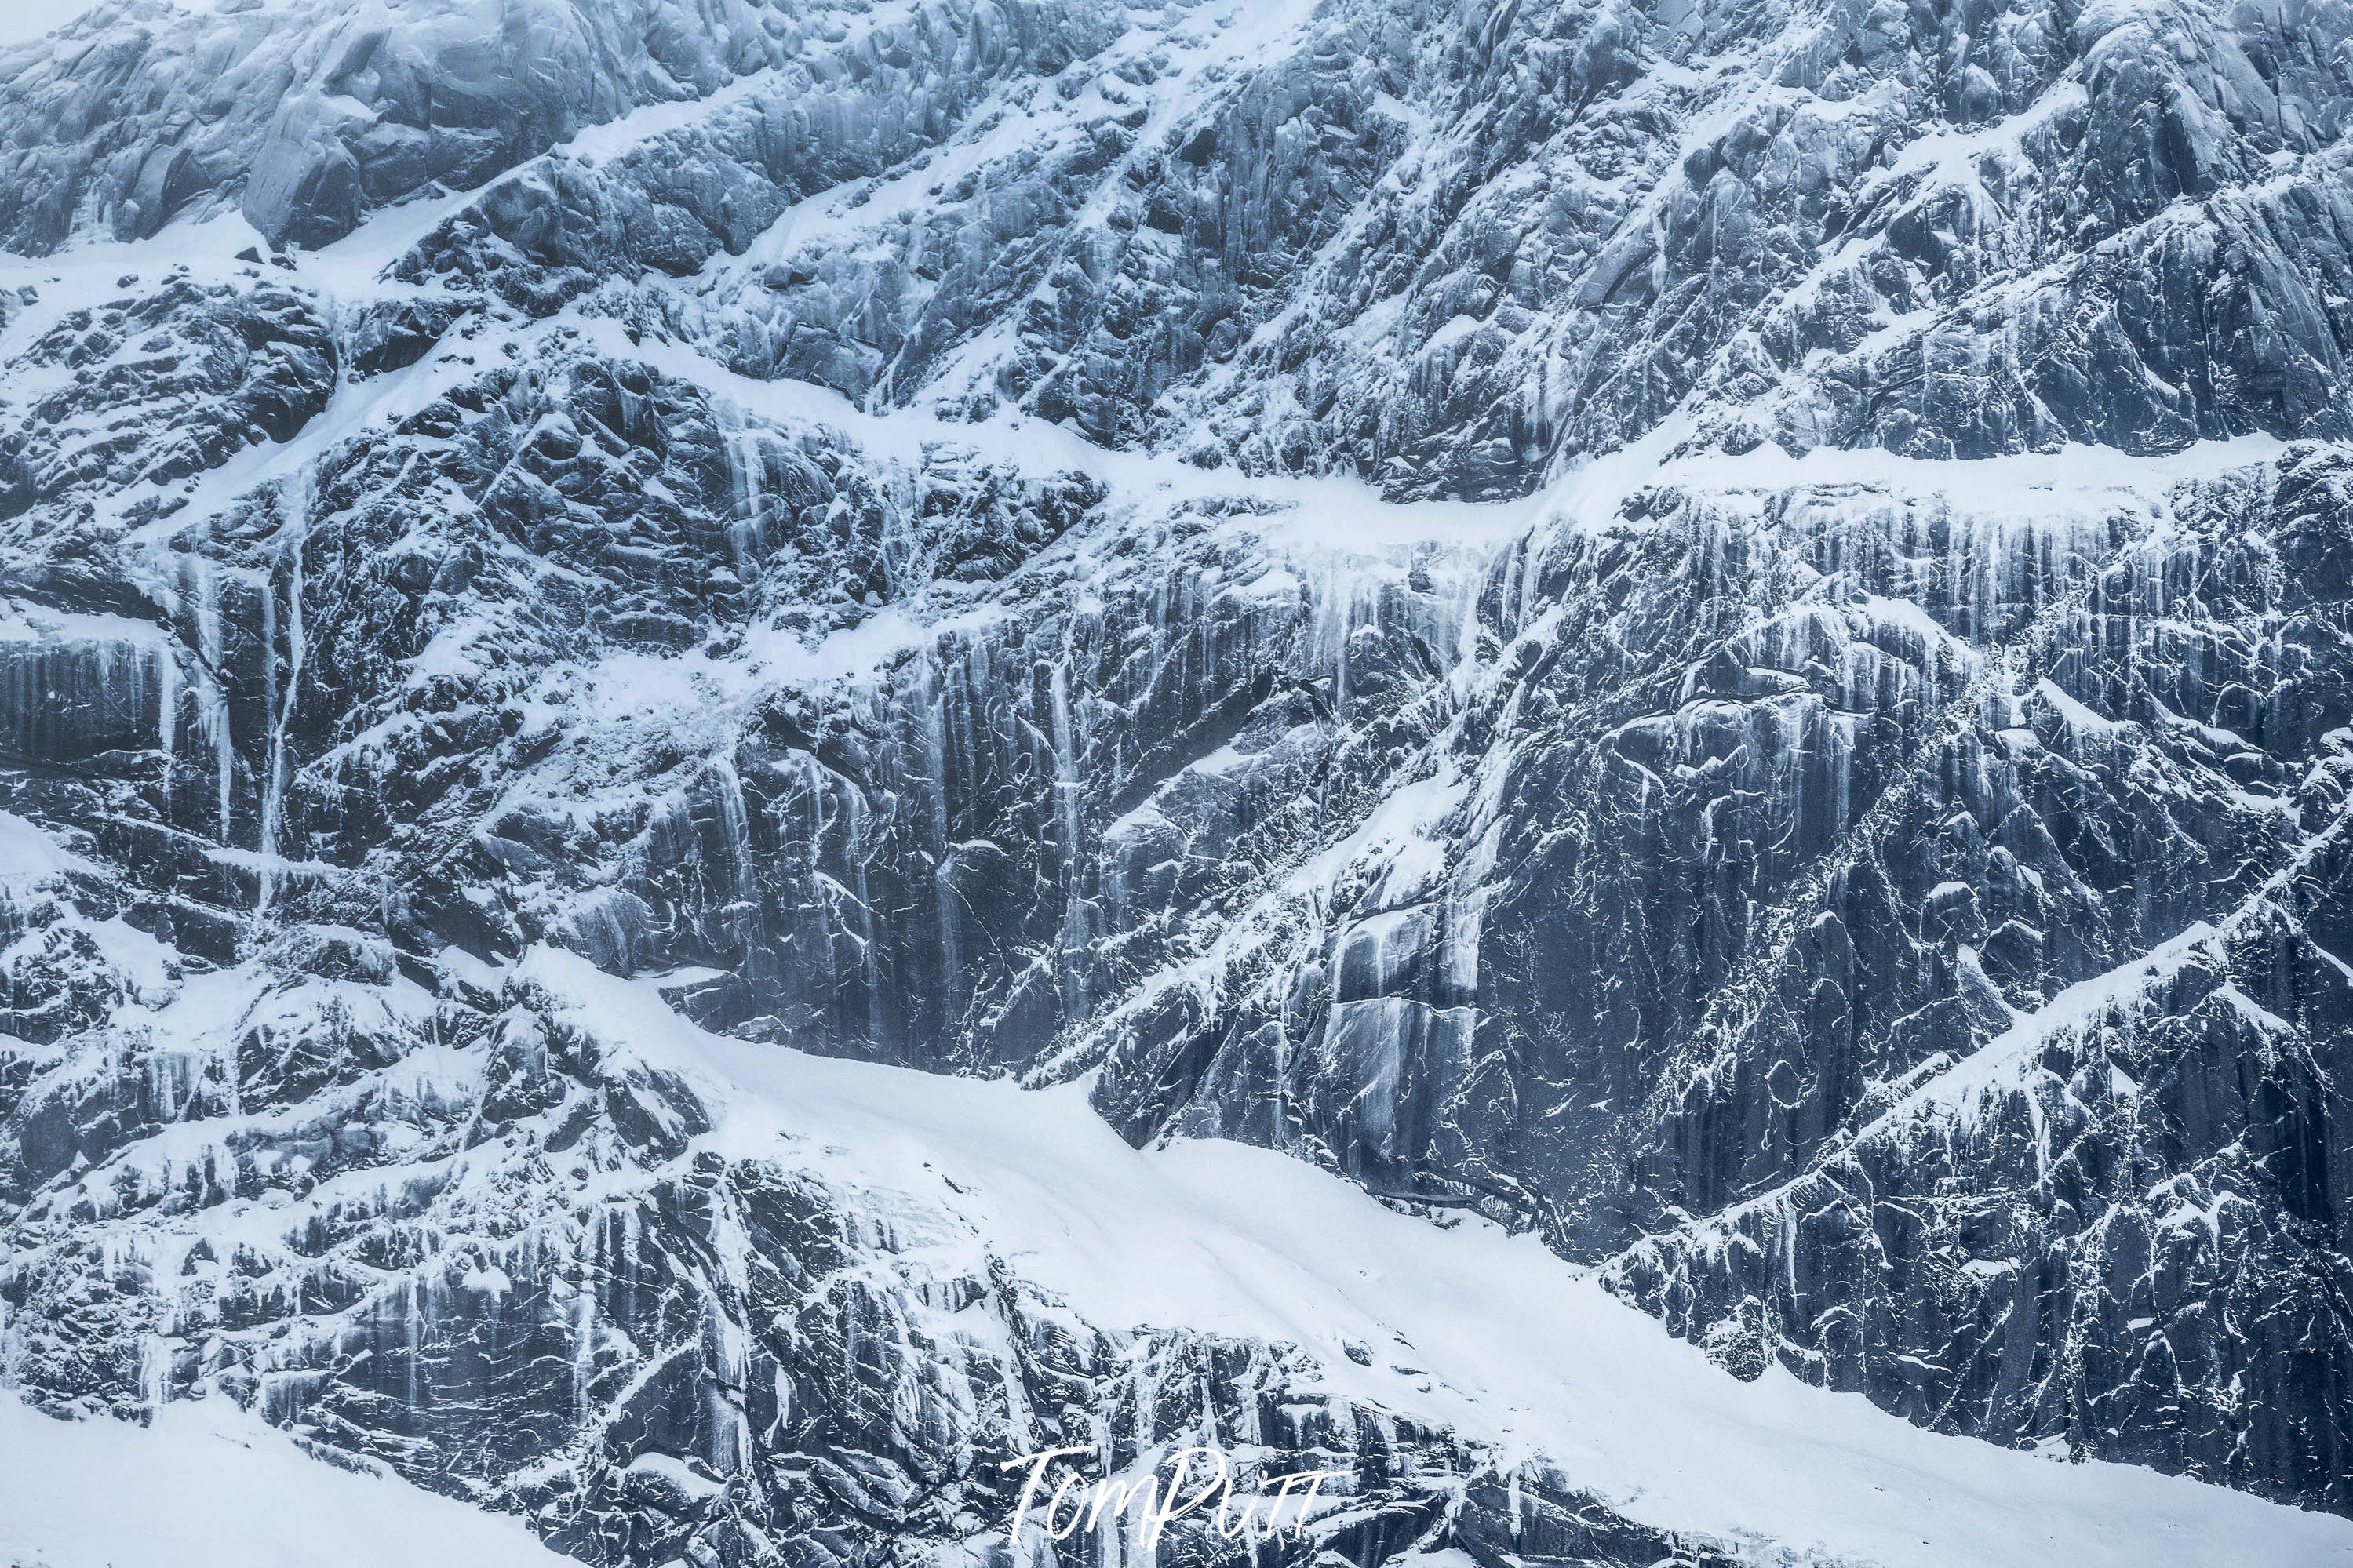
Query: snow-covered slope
x,y
1720,635
1469,1329
1460,1328
209,1486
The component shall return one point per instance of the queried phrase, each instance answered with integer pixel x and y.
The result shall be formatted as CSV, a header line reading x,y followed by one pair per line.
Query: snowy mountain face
x,y
1717,636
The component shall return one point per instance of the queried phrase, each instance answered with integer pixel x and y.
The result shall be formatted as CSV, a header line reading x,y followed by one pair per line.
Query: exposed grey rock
x,y
855,516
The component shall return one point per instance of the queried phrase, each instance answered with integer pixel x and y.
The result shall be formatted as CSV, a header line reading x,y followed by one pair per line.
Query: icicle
x,y
412,1338
976,680
818,903
212,714
854,809
931,703
584,1348
730,1432
747,532
1336,591
167,720
274,802
735,829
625,1263
1530,583
1066,814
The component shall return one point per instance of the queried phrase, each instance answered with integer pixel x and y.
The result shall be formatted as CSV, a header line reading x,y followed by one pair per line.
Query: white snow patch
x,y
208,1487
2080,719
24,19
29,856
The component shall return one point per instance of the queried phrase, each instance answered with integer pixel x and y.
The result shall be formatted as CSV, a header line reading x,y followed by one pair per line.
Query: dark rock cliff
x,y
1725,633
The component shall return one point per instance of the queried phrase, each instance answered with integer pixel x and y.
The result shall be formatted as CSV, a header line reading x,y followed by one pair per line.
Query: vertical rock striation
x,y
1722,633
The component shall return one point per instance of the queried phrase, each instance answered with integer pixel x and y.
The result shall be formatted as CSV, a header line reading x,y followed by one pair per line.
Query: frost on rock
x,y
1719,633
